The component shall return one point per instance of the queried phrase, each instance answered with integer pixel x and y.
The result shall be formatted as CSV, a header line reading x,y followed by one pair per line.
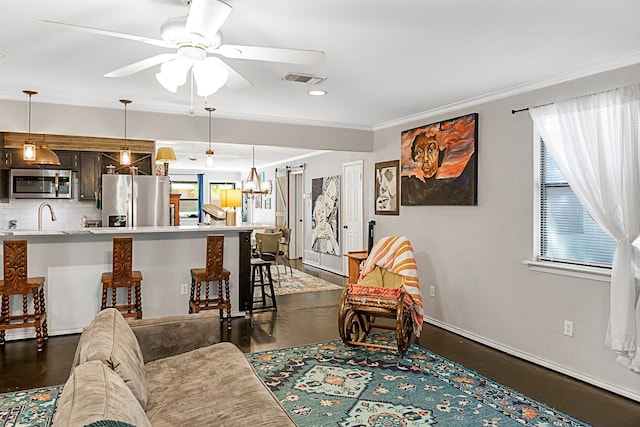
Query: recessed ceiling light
x,y
317,92
1,55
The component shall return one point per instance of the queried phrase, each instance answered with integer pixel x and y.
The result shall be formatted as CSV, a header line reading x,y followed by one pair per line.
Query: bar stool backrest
x,y
268,243
215,252
122,261
15,267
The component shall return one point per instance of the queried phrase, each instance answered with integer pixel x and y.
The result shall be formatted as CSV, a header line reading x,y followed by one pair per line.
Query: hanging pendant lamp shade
x,y
125,153
209,151
253,184
31,153
44,156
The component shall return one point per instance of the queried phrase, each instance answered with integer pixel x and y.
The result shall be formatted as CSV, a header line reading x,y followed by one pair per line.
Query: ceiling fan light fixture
x,y
173,73
210,76
166,82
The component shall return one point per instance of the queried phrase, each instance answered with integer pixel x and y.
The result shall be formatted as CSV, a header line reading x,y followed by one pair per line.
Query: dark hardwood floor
x,y
312,317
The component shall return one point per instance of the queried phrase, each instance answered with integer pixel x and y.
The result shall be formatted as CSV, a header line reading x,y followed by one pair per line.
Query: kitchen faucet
x,y
53,215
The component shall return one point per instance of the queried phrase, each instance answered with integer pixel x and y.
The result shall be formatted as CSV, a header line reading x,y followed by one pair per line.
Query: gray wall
x,y
474,255
103,122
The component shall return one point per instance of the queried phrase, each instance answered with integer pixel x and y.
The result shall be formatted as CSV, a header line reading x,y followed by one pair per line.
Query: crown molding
x,y
571,74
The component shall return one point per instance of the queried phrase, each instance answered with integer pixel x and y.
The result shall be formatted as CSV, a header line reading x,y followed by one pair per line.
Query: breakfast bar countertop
x,y
134,230
72,261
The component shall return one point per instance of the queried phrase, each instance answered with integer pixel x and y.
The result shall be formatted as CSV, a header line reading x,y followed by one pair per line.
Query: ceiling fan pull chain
x,y
192,112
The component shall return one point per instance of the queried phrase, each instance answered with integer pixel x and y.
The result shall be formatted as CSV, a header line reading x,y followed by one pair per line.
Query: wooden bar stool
x,y
123,276
262,268
202,298
16,282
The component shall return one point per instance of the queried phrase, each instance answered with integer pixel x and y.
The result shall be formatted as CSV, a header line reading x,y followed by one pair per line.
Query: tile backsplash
x,y
69,213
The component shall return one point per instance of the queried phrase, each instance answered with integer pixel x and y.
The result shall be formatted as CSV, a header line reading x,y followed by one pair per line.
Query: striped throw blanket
x,y
395,254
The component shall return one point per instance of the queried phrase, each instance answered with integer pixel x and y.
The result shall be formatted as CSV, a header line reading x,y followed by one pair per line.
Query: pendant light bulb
x,y
34,155
209,151
125,153
29,148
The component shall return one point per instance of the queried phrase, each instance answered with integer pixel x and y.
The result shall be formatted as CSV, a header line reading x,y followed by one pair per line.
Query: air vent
x,y
303,78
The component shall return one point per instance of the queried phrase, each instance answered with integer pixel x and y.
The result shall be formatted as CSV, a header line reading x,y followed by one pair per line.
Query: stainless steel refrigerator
x,y
135,200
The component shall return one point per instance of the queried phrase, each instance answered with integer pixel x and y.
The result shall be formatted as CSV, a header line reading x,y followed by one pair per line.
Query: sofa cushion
x,y
110,339
95,392
210,386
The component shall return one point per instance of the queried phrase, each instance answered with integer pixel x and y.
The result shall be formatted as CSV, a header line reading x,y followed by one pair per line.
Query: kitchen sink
x,y
77,232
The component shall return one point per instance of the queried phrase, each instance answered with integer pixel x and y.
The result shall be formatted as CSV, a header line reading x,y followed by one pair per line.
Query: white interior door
x,y
296,205
352,208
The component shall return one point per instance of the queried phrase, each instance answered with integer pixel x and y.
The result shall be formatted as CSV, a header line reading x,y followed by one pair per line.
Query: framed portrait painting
x,y
387,188
439,163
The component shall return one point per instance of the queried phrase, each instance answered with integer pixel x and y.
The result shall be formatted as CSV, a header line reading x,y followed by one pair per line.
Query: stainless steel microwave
x,y
40,184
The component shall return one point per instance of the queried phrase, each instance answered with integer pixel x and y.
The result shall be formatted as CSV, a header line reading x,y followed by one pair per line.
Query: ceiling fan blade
x,y
153,42
141,65
206,17
236,80
271,54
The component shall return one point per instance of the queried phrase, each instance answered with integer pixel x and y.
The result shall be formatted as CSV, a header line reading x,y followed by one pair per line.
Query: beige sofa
x,y
163,372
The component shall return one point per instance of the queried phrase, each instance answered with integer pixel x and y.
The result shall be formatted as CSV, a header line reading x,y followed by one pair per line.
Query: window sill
x,y
590,273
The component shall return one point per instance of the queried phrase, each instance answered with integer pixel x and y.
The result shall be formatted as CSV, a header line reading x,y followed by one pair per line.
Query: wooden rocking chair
x,y
381,293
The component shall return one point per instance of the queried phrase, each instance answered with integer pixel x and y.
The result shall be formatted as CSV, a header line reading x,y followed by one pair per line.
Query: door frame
x,y
360,184
296,213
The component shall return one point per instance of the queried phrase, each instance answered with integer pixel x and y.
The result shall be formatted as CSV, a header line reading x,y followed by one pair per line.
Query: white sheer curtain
x,y
594,140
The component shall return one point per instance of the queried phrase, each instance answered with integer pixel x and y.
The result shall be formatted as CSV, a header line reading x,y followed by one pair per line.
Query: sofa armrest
x,y
162,337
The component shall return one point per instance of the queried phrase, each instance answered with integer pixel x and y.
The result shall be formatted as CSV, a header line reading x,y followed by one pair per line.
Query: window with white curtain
x,y
567,233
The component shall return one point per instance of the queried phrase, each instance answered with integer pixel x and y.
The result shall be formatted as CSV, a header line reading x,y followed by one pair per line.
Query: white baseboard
x,y
628,393
323,267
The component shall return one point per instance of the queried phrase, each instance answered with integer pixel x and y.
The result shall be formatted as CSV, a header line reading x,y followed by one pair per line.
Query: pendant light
x,y
125,153
37,155
253,184
29,148
209,152
44,156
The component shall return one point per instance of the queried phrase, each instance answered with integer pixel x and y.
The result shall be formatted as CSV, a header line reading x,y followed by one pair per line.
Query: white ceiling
x,y
386,61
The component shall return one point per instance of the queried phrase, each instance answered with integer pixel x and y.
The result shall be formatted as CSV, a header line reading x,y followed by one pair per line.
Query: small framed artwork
x,y
387,188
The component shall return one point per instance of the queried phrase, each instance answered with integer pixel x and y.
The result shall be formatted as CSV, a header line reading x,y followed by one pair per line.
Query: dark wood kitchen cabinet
x,y
141,160
89,175
14,160
87,156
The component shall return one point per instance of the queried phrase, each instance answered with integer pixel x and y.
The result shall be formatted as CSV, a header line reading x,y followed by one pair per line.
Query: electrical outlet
x,y
184,289
432,291
568,328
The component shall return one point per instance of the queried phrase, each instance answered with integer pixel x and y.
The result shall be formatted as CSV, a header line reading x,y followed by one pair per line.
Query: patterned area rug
x,y
300,282
33,407
330,384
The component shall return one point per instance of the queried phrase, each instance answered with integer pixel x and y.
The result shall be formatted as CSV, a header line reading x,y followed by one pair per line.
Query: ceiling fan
x,y
193,36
